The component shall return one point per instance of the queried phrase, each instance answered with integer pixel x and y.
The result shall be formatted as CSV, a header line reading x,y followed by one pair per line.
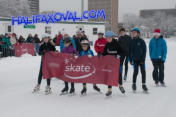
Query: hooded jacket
x,y
100,45
86,53
46,47
158,49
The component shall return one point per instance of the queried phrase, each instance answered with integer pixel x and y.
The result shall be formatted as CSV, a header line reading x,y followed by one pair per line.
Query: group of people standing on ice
x,y
129,49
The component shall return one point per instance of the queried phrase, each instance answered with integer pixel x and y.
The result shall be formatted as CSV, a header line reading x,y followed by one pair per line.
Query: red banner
x,y
92,70
24,48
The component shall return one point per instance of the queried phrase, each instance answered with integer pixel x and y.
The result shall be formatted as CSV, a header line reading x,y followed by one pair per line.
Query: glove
x,y
131,62
163,60
99,55
76,56
90,56
118,56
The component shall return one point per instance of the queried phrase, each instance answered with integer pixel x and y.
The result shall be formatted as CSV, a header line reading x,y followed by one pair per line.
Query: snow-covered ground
x,y
18,76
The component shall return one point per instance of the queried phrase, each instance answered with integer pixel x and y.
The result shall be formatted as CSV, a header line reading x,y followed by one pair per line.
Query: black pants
x,y
158,71
124,61
136,66
72,85
40,77
5,52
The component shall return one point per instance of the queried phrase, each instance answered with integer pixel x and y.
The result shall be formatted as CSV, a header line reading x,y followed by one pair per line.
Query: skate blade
x,y
164,86
134,91
100,92
36,91
47,93
83,95
108,97
145,92
65,93
157,86
72,94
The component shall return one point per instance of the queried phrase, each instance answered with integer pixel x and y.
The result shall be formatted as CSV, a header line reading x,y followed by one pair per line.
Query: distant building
x,y
111,9
34,7
152,12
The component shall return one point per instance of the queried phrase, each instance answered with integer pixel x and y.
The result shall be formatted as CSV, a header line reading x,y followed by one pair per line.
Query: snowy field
x,y
18,76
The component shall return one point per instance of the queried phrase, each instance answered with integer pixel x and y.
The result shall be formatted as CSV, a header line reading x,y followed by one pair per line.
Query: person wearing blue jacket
x,y
137,58
86,51
158,52
62,42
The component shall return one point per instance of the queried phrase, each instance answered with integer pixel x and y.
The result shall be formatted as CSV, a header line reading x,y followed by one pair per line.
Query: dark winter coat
x,y
124,42
37,40
78,43
137,50
112,48
30,40
46,47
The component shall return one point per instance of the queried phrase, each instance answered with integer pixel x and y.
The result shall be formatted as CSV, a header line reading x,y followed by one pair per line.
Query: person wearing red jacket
x,y
100,44
58,39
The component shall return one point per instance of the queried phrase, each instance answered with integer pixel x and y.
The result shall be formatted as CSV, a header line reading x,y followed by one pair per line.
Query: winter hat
x,y
109,34
100,32
136,29
45,36
157,32
67,40
85,42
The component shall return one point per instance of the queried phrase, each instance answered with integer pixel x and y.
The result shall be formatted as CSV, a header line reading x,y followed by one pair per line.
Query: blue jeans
x,y
37,46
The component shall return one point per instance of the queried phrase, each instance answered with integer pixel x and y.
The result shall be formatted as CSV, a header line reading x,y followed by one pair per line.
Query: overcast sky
x,y
125,6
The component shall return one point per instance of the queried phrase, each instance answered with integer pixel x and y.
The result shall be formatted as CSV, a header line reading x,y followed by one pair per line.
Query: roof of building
x,y
148,12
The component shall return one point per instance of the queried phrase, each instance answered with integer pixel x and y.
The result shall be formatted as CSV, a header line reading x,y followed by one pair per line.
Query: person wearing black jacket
x,y
137,58
113,48
46,46
78,39
124,41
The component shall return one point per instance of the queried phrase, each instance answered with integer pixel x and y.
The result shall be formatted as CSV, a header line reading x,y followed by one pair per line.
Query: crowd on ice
x,y
129,49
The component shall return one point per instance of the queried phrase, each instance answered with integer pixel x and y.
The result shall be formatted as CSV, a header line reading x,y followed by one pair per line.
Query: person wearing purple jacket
x,y
68,48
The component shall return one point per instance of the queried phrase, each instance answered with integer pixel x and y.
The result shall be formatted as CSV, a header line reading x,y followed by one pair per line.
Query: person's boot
x,y
84,90
72,90
144,87
96,88
48,90
109,93
157,84
37,88
134,87
121,89
65,90
163,84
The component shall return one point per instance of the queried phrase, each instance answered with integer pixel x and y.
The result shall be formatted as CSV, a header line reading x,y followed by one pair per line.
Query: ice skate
x,y
36,89
48,90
